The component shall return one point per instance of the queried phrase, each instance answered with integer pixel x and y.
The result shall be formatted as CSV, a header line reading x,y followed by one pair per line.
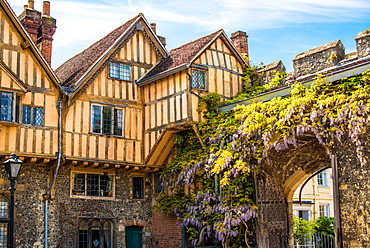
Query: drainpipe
x,y
47,195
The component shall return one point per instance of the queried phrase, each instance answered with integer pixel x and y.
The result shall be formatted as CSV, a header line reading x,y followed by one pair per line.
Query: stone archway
x,y
276,185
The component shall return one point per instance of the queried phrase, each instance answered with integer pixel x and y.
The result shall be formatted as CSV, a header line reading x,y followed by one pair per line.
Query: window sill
x,y
109,198
9,124
110,135
323,186
139,199
119,79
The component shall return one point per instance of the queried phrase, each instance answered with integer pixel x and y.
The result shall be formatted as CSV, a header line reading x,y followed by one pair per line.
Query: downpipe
x,y
47,195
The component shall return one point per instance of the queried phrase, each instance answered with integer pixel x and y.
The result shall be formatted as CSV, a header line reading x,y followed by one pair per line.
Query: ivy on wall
x,y
210,187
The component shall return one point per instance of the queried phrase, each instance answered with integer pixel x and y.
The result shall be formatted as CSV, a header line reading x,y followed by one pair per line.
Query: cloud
x,y
82,22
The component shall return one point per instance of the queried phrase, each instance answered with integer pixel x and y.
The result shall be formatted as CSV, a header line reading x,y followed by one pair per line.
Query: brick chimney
x,y
31,20
48,28
40,26
240,41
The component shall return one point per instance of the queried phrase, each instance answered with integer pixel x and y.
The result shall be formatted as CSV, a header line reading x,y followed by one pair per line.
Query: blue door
x,y
134,237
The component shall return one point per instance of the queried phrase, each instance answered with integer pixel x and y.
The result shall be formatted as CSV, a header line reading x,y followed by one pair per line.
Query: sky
x,y
277,29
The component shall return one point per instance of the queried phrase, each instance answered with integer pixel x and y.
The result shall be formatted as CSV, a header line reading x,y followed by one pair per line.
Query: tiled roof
x,y
318,49
182,54
73,69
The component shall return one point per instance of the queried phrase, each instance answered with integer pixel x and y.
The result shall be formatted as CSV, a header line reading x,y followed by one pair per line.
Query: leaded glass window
x,y
4,219
120,71
37,116
106,120
32,115
198,80
6,109
83,234
26,115
138,188
96,118
89,184
95,233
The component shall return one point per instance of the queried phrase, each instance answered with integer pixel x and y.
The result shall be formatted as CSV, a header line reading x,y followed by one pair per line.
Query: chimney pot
x,y
46,8
31,4
154,27
25,7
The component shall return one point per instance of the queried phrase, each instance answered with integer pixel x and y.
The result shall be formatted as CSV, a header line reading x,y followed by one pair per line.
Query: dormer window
x,y
120,71
198,80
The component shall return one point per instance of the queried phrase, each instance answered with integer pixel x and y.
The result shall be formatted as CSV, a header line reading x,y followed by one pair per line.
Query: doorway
x,y
134,237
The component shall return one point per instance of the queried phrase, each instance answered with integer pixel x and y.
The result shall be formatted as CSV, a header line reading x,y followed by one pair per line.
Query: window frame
x,y
32,115
325,211
205,78
88,235
4,220
84,193
14,109
121,73
142,191
157,183
117,119
322,179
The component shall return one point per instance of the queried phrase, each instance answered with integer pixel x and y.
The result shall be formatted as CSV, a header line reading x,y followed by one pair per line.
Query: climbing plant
x,y
209,184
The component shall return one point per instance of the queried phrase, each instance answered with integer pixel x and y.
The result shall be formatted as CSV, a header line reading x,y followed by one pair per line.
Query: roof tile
x,y
73,69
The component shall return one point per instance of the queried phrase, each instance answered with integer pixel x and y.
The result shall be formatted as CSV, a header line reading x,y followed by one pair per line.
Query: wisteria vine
x,y
210,188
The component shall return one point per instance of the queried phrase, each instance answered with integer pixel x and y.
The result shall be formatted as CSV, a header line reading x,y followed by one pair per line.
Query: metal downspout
x,y
47,194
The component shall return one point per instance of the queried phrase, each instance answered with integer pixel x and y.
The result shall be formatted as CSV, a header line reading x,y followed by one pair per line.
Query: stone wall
x,y
66,212
354,195
318,58
267,73
29,207
363,43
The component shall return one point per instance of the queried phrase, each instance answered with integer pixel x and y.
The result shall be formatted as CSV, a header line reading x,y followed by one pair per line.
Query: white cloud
x,y
82,22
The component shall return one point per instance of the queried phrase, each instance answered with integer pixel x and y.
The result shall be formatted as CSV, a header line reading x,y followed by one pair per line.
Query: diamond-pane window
x,y
32,115
120,71
6,106
4,219
37,116
26,115
198,80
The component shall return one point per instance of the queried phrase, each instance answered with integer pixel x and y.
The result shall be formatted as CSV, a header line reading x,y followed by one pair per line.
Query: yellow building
x,y
316,197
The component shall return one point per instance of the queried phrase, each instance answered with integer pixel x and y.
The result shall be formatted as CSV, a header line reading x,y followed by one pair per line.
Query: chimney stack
x,y
31,4
40,26
46,8
48,28
240,41
154,27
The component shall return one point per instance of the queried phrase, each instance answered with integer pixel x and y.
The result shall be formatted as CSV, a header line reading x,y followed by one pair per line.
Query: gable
x,y
21,61
134,42
220,54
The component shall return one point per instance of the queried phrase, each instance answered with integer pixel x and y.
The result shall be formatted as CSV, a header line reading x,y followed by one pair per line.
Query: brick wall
x,y
167,232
